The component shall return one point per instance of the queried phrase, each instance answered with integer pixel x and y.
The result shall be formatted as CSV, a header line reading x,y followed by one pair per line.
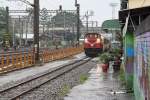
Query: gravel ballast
x,y
55,90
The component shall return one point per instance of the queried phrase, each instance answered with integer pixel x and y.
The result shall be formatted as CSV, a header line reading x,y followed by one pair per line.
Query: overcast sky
x,y
101,8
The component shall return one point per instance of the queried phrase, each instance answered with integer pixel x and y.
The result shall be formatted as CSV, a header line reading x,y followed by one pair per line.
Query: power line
x,y
24,1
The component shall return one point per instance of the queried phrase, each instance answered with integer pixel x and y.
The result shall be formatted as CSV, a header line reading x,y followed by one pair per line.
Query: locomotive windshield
x,y
92,35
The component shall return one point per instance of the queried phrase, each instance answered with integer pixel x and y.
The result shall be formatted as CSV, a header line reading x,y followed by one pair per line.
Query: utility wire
x,y
24,1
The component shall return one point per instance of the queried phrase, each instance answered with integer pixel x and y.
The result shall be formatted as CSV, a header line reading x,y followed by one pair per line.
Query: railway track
x,y
21,89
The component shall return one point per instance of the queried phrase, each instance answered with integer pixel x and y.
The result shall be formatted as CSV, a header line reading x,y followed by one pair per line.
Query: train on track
x,y
94,44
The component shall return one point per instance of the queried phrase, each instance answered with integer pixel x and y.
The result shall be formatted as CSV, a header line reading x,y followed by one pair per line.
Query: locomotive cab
x,y
93,44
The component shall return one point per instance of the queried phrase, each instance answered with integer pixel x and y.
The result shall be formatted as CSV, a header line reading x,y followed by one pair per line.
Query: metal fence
x,y
14,61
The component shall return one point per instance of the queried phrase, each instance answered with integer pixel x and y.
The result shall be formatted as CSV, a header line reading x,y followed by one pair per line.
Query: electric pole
x,y
64,15
36,27
6,37
93,26
87,22
87,15
13,33
78,20
22,31
7,20
26,41
36,30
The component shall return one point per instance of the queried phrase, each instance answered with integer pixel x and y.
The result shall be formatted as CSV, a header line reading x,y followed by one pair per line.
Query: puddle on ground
x,y
100,86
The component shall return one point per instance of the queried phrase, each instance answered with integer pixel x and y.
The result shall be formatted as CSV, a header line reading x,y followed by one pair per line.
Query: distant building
x,y
112,27
91,30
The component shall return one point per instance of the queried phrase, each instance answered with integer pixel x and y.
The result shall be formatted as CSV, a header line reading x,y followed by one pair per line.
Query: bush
x,y
83,78
64,90
115,53
105,57
122,77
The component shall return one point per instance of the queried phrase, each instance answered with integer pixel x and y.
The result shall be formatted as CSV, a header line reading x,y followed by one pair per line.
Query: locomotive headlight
x,y
86,40
98,41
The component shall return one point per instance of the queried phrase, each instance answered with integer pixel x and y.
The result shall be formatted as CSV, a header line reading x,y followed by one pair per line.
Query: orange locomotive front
x,y
93,44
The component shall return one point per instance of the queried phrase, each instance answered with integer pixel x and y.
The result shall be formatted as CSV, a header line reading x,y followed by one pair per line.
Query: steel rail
x,y
43,75
32,89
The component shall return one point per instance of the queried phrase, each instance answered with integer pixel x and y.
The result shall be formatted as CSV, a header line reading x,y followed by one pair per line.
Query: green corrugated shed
x,y
111,24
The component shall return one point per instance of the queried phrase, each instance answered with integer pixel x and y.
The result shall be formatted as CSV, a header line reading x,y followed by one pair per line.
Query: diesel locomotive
x,y
94,44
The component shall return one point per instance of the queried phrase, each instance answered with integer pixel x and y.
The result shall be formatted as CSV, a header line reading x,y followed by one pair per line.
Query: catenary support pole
x,y
36,30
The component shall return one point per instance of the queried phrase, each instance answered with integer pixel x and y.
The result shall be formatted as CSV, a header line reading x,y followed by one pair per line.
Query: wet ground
x,y
100,86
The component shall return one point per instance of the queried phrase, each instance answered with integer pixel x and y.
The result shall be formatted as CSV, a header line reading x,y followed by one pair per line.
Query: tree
x,y
2,22
4,36
119,37
65,18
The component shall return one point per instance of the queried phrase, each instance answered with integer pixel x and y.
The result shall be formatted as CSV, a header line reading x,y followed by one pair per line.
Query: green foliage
x,y
2,22
5,37
126,80
122,76
64,90
105,57
83,78
116,52
70,19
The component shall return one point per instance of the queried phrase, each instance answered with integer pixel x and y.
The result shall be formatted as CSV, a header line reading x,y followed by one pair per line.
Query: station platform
x,y
100,86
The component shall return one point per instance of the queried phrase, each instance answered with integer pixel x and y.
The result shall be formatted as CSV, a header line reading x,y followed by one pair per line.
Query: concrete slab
x,y
100,86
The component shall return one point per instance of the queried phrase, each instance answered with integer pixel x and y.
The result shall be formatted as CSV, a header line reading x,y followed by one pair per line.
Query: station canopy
x,y
144,26
136,12
139,17
111,24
